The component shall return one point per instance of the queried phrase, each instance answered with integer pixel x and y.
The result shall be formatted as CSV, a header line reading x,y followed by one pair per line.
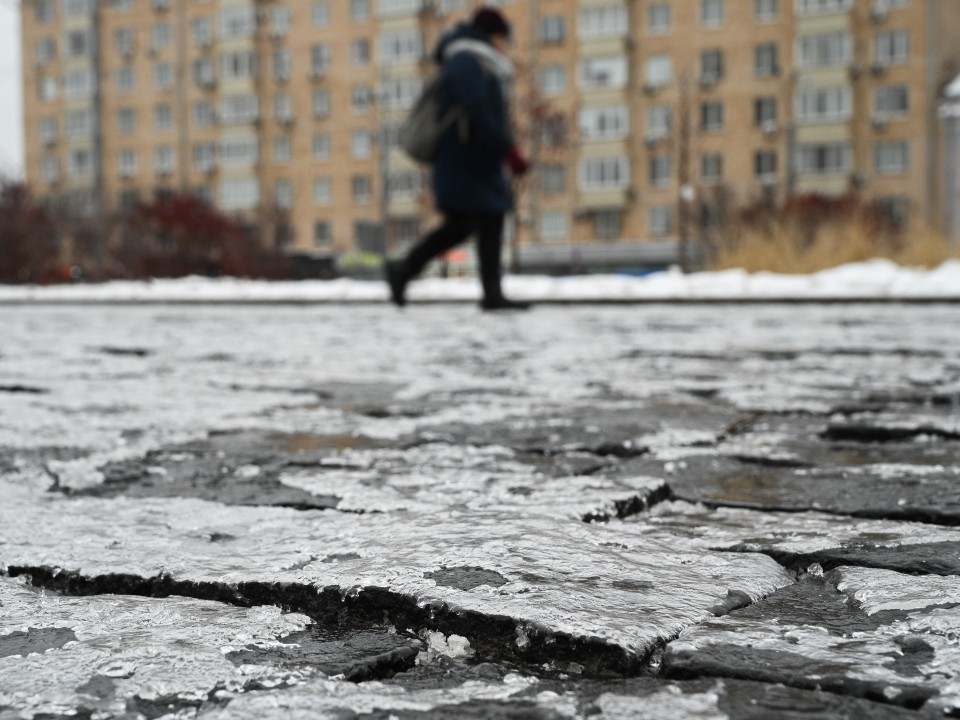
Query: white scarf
x,y
493,61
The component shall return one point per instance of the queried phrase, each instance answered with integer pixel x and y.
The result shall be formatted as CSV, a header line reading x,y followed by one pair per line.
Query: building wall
x,y
284,186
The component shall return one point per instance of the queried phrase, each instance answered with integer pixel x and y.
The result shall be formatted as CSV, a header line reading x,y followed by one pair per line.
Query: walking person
x,y
474,154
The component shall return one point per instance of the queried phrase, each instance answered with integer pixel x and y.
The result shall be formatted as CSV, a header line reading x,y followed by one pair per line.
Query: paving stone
x,y
799,539
812,636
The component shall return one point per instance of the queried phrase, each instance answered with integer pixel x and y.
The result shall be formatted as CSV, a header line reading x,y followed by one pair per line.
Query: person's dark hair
x,y
491,21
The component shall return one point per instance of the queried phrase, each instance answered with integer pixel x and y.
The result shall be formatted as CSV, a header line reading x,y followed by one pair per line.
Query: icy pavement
x,y
720,512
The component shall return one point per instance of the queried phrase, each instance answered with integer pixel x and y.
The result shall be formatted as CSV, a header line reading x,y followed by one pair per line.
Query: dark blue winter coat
x,y
470,176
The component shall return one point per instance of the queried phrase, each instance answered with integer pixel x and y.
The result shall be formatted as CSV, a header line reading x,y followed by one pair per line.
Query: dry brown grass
x,y
785,246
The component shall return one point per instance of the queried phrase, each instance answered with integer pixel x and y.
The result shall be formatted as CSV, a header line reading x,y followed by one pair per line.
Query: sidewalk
x,y
614,512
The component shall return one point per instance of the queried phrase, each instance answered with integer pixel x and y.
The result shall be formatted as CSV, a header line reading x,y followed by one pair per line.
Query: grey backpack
x,y
421,131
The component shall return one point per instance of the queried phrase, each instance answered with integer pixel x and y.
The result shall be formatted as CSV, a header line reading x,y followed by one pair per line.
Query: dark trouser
x,y
457,227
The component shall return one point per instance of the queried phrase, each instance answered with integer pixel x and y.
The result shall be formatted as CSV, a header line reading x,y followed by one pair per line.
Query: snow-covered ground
x,y
873,280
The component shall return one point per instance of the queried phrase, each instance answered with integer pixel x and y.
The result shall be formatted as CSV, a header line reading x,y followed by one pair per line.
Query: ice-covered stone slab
x,y
880,635
112,654
569,585
801,538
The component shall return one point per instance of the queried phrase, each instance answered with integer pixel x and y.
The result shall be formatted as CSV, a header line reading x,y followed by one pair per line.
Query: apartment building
x,y
647,119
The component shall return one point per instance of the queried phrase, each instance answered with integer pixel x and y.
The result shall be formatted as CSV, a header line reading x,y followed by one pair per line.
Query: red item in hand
x,y
517,162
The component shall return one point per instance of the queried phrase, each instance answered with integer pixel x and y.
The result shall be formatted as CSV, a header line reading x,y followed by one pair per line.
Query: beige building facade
x,y
647,120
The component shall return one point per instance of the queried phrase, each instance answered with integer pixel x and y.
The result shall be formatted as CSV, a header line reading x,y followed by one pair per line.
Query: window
x,y
322,236
604,173
282,150
50,168
160,36
76,8
553,179
824,104
46,50
711,66
48,130
766,60
603,21
892,158
163,76
126,79
78,84
127,163
203,115
79,124
80,162
825,49
711,13
239,194
824,159
162,117
599,72
553,80
43,11
124,39
659,71
661,171
765,166
405,185
322,191
238,65
711,116
401,46
765,113
711,168
389,8
126,121
320,57
283,194
321,146
237,22
204,73
239,109
282,64
891,101
608,224
239,150
659,18
47,88
892,47
321,104
659,121
283,108
204,156
360,52
661,220
401,92
819,7
360,98
554,225
361,188
766,10
361,144
553,29
320,13
129,199
606,123
163,160
279,21
201,31
359,10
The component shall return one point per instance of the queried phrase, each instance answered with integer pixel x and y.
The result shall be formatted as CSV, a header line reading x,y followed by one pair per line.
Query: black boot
x,y
501,303
396,275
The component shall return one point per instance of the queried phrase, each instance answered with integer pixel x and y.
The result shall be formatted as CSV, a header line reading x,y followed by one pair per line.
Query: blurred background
x,y
161,138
